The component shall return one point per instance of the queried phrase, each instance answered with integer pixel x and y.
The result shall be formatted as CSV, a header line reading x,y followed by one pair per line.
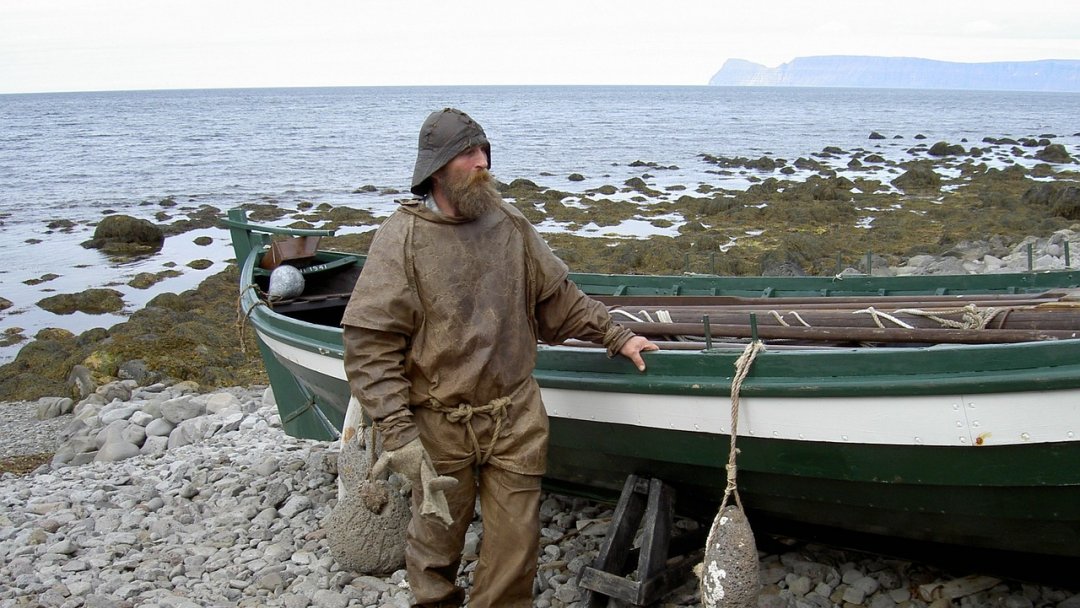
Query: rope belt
x,y
463,413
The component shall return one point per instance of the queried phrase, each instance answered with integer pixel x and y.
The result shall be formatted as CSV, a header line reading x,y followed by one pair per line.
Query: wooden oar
x,y
698,345
1035,318
765,305
856,334
831,301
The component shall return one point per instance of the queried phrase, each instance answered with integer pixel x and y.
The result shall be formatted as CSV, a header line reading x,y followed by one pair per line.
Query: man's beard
x,y
473,194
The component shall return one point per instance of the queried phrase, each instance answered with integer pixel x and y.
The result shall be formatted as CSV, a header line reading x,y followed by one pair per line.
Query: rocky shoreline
x,y
224,509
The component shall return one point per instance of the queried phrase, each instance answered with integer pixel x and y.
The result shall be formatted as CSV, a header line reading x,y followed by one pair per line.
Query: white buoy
x,y
285,282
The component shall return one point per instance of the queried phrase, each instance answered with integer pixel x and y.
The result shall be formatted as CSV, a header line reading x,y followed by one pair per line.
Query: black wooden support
x,y
648,504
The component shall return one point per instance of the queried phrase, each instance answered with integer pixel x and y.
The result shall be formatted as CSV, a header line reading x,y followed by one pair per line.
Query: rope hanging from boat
x,y
742,368
242,316
729,569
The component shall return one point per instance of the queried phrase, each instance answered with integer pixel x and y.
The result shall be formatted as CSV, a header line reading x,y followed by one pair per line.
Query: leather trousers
x,y
503,578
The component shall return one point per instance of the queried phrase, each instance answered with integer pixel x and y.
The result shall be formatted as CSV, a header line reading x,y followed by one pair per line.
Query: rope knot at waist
x,y
463,413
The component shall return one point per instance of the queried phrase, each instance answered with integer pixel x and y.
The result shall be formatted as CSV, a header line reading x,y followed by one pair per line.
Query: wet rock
x,y
145,280
920,177
11,335
95,301
1062,199
137,370
943,148
1054,153
125,235
637,184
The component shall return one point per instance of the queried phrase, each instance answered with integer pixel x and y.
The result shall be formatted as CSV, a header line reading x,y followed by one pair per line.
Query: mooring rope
x,y
742,368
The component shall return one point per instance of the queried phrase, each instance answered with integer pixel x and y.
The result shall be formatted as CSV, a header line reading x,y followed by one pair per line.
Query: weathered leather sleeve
x,y
563,310
375,367
377,323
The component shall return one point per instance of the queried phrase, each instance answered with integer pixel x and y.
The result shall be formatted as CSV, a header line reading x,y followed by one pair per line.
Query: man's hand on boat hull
x,y
634,347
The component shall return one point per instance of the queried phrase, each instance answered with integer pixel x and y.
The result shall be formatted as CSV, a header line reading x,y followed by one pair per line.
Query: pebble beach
x,y
165,496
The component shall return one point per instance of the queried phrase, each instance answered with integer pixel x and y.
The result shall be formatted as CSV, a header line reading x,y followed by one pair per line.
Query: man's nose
x,y
479,158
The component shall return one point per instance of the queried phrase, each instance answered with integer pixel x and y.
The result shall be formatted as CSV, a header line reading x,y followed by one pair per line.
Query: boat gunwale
x,y
902,370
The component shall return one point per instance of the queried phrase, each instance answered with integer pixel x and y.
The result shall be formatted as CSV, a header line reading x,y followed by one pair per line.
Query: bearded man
x,y
440,345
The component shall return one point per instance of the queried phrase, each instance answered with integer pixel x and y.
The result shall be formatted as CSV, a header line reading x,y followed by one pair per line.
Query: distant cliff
x,y
904,73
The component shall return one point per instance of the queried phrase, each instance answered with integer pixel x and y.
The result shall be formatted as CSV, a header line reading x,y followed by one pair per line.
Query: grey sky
x,y
65,45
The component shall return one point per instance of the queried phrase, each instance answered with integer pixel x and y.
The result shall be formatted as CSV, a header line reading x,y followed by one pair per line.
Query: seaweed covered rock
x,y
90,301
189,336
1062,199
126,235
1054,153
39,370
919,177
943,148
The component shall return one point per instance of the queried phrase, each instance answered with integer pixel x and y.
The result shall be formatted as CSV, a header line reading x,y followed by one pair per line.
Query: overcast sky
x,y
78,45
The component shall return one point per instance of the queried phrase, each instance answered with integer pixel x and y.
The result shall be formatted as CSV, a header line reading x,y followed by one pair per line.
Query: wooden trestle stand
x,y
650,505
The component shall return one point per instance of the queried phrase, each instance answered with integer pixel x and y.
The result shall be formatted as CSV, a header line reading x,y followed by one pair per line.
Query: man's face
x,y
466,183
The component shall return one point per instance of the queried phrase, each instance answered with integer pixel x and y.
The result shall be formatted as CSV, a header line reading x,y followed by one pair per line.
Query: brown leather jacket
x,y
448,313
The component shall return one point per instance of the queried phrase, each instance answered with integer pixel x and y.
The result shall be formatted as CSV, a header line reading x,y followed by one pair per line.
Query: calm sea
x,y
78,156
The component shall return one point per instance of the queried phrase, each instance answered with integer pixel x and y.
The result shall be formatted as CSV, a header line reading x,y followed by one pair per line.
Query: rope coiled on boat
x,y
972,317
877,315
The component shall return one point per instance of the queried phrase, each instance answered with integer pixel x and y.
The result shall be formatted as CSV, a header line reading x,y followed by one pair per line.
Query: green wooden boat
x,y
958,435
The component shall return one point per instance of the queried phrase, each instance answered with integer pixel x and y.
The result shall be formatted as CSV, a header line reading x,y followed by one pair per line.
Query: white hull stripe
x,y
942,420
